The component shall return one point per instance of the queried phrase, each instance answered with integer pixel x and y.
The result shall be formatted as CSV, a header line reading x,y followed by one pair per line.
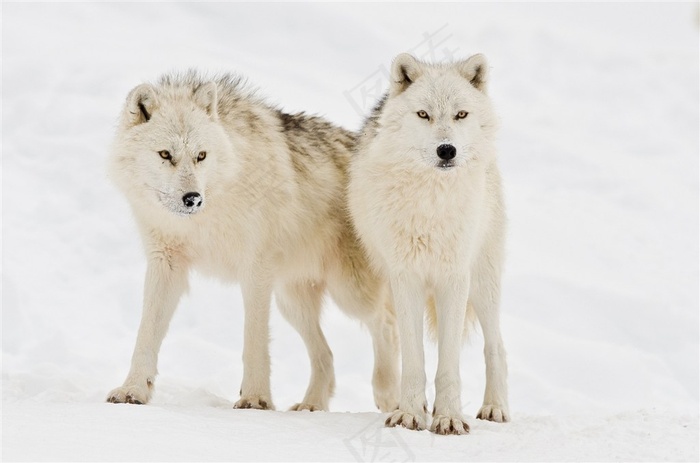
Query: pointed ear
x,y
405,69
475,69
141,103
205,96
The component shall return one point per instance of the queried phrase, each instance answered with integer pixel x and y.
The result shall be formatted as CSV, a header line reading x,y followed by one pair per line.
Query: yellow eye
x,y
461,115
165,154
201,156
423,115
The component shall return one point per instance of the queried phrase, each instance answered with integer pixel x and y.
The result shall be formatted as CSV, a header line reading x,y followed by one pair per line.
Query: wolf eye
x,y
461,115
423,115
201,156
165,154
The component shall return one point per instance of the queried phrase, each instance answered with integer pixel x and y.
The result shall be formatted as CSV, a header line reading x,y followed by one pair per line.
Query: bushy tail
x,y
470,320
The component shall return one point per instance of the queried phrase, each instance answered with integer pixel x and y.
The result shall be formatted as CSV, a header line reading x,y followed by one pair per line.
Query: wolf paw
x,y
387,400
493,413
387,405
443,424
255,402
303,406
131,394
386,388
407,420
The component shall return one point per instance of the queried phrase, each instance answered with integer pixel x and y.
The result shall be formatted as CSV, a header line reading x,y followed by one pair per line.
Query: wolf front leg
x,y
451,306
255,387
166,281
409,301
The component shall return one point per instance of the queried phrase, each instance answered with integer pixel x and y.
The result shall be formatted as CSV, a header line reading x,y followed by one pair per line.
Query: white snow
x,y
599,148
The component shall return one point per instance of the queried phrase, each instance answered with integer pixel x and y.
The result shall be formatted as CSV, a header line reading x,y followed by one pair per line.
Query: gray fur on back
x,y
311,139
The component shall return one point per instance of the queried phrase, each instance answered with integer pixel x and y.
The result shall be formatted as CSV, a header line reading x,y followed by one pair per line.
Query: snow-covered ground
x,y
599,149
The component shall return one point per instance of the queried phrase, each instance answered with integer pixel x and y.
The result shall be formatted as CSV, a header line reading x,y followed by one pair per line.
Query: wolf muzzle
x,y
192,201
446,152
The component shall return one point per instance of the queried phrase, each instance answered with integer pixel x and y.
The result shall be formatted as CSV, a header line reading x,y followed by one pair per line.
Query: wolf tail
x,y
470,320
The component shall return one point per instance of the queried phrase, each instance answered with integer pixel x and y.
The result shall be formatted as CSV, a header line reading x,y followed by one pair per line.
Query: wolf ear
x,y
205,96
475,70
405,69
141,103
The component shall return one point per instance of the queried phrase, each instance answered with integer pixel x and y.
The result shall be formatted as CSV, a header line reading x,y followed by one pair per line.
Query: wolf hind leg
x,y
365,296
300,304
485,298
385,342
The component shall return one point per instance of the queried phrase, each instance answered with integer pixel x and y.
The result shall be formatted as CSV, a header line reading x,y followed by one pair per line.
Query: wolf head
x,y
438,114
168,144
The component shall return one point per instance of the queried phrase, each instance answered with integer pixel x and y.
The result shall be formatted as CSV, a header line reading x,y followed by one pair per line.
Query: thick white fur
x,y
272,218
436,233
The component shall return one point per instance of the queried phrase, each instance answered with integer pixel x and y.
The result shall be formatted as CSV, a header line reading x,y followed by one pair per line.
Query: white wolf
x,y
425,197
220,182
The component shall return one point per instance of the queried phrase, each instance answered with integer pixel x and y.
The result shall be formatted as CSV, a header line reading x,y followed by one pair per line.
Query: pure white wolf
x,y
223,183
425,197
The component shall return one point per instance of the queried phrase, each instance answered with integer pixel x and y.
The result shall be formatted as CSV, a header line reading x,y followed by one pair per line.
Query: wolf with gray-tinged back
x,y
223,183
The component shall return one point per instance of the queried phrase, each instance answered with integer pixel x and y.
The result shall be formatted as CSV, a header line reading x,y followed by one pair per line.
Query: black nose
x,y
446,152
192,199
